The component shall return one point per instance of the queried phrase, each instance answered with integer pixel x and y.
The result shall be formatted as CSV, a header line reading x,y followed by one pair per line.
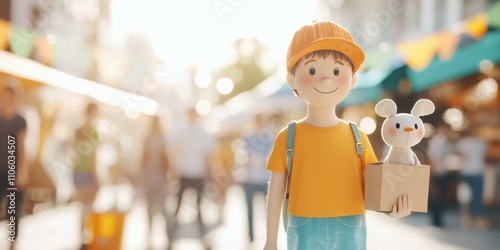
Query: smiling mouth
x,y
323,92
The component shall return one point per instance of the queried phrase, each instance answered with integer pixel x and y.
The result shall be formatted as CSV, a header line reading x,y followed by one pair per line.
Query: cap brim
x,y
348,48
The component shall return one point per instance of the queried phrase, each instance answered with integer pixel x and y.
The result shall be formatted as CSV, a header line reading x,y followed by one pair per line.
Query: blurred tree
x,y
247,71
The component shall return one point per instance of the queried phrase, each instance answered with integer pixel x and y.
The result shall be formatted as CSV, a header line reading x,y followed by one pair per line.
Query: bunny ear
x,y
423,107
386,108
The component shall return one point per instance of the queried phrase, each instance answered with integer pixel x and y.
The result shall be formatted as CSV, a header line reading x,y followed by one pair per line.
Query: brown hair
x,y
324,54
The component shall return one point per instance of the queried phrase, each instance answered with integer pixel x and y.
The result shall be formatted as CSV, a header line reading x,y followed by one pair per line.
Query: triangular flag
x,y
4,34
448,44
22,41
476,26
419,53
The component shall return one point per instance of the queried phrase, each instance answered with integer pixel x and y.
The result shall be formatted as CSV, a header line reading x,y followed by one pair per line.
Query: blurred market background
x,y
225,58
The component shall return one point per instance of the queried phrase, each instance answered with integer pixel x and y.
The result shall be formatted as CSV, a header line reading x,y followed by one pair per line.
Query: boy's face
x,y
322,82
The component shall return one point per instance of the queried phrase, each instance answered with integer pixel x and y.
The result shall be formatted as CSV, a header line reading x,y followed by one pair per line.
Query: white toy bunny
x,y
403,131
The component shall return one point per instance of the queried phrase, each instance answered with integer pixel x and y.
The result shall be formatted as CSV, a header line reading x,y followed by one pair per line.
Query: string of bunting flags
x,y
418,53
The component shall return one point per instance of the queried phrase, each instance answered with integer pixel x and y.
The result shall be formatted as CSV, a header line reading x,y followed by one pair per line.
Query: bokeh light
x,y
203,107
429,130
224,86
486,66
203,79
471,103
487,89
368,125
454,118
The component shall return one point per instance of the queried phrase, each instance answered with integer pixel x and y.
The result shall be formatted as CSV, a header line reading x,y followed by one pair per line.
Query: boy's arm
x,y
274,203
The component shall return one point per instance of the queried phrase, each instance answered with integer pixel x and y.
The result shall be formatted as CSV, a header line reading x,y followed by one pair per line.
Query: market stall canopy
x,y
464,62
34,74
447,54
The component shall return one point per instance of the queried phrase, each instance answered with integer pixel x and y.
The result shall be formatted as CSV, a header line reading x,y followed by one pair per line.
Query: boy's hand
x,y
402,209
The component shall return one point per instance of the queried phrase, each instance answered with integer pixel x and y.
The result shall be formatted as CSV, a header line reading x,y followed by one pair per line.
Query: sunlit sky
x,y
199,31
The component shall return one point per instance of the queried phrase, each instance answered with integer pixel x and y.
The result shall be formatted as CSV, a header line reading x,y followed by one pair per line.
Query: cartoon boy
x,y
326,196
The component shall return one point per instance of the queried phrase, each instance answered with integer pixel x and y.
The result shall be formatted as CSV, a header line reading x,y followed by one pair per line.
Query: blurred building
x,y
71,37
375,22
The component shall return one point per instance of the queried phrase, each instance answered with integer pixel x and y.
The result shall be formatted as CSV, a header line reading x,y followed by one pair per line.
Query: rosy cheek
x,y
307,80
343,79
393,131
420,133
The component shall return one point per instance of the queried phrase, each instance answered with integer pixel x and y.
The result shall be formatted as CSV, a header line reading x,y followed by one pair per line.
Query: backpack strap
x,y
359,144
289,155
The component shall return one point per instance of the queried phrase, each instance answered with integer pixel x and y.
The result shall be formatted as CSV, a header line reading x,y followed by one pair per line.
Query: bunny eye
x,y
398,126
416,126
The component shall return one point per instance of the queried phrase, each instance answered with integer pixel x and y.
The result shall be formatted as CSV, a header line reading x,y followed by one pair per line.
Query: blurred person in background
x,y
440,148
12,127
195,158
258,146
473,150
85,142
154,169
223,179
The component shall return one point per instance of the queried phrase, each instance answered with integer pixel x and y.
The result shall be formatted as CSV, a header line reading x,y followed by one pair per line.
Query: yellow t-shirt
x,y
326,178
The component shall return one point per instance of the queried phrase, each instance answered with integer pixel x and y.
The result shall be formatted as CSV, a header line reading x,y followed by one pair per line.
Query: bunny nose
x,y
409,129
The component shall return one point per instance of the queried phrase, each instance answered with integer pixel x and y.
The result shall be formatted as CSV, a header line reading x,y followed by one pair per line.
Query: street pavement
x,y
57,228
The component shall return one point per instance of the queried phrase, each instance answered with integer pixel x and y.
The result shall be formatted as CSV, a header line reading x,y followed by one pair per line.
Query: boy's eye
x,y
312,71
336,71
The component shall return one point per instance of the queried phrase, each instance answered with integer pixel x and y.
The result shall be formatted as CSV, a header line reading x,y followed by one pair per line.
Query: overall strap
x,y
289,155
359,144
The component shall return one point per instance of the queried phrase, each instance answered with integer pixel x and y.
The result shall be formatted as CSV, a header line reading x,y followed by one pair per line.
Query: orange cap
x,y
323,35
